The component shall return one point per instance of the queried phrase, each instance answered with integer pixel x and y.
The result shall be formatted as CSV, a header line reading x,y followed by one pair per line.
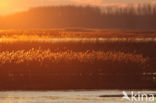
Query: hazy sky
x,y
10,6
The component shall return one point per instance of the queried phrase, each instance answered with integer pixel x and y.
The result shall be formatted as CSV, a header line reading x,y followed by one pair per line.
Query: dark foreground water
x,y
113,96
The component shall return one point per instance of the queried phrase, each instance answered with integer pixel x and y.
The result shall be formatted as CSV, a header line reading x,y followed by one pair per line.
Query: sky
x,y
11,6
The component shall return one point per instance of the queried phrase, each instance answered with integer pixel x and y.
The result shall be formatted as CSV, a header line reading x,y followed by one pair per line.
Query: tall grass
x,y
75,33
42,57
28,61
38,69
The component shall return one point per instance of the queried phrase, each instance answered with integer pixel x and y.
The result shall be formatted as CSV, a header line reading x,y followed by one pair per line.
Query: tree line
x,y
130,17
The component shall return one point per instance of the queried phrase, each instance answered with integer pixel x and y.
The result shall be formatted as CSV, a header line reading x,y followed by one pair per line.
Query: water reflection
x,y
54,40
62,96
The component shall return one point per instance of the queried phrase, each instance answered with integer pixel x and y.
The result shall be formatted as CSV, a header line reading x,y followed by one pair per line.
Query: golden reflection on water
x,y
63,96
55,99
54,40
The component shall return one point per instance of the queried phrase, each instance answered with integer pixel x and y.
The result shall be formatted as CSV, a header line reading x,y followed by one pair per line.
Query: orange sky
x,y
11,6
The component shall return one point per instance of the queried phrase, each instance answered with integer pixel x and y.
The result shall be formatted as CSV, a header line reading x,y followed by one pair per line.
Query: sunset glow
x,y
77,51
3,6
12,6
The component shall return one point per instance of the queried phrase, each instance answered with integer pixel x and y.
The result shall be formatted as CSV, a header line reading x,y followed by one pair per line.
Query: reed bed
x,y
44,69
68,57
29,60
75,33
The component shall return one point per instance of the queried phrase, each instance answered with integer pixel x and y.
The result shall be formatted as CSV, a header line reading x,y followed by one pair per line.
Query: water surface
x,y
64,96
56,40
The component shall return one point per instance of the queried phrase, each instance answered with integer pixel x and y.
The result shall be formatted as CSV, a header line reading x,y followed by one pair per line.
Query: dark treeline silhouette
x,y
130,17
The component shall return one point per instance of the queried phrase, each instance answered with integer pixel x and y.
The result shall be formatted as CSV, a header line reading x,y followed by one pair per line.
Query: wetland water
x,y
93,96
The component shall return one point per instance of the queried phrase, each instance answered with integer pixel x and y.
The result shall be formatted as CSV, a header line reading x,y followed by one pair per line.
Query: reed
x,y
47,56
